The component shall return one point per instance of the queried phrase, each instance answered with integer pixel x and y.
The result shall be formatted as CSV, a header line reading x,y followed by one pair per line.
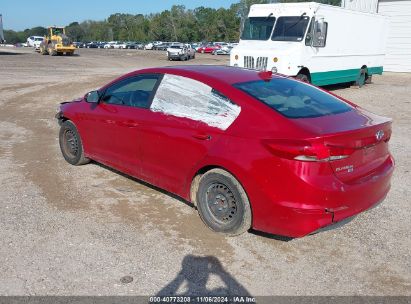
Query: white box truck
x,y
317,43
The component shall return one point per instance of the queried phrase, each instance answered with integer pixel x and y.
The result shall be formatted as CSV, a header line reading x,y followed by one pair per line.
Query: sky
x,y
21,14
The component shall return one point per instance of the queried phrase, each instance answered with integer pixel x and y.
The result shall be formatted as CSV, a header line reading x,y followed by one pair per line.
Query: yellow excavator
x,y
56,42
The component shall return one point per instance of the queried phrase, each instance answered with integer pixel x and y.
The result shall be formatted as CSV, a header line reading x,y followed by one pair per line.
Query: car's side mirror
x,y
93,97
320,33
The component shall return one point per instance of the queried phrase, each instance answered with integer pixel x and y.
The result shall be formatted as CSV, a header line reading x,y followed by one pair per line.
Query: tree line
x,y
175,24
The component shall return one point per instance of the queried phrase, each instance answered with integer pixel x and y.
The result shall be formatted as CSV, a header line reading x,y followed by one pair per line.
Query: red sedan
x,y
207,49
249,149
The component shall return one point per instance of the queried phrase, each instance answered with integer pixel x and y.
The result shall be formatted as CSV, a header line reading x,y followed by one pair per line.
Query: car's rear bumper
x,y
317,205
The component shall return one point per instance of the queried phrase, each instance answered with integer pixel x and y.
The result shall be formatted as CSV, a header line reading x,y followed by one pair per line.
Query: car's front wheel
x,y
222,203
71,145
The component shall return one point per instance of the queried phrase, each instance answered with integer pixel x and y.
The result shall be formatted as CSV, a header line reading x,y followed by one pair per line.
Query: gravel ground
x,y
90,231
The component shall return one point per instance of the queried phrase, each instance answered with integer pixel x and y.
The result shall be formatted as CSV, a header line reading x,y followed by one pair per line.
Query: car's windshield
x,y
290,28
38,39
176,47
257,28
294,99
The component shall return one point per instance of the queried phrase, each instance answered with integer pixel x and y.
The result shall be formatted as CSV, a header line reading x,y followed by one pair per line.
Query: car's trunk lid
x,y
356,142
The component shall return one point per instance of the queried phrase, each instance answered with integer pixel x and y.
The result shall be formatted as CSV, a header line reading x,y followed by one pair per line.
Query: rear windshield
x,y
257,28
294,99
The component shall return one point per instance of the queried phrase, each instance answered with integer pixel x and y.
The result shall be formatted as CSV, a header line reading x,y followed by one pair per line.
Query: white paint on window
x,y
184,97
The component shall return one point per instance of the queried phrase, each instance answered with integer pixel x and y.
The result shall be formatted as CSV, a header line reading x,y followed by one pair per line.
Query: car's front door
x,y
185,119
112,123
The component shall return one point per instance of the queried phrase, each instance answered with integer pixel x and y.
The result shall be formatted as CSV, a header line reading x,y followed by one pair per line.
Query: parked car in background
x,y
32,39
163,46
207,48
151,45
249,149
37,43
190,51
222,51
178,51
92,45
134,45
110,45
119,45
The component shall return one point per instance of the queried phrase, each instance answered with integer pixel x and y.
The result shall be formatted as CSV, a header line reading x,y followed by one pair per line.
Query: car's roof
x,y
225,74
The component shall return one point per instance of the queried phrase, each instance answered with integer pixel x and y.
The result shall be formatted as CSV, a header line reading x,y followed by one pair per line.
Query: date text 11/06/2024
x,y
199,299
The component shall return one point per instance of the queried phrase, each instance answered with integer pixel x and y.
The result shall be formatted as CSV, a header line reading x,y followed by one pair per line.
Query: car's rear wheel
x,y
222,203
71,145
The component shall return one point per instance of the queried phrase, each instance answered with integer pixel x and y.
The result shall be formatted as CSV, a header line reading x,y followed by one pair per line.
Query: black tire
x,y
71,145
43,50
51,50
222,203
303,77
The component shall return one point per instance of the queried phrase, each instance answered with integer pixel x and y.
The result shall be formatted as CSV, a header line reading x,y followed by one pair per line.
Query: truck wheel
x,y
43,50
51,50
71,145
222,203
303,77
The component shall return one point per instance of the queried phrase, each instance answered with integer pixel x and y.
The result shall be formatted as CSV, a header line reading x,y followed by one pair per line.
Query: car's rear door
x,y
185,119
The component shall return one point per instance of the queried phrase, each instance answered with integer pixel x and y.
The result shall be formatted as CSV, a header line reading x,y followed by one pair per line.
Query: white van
x,y
317,43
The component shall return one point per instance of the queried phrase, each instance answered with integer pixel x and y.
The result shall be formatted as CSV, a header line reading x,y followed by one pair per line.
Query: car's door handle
x,y
202,136
129,123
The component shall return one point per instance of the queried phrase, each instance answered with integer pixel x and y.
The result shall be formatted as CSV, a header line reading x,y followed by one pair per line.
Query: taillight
x,y
304,150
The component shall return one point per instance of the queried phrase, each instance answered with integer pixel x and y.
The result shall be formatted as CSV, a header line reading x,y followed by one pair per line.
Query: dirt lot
x,y
82,230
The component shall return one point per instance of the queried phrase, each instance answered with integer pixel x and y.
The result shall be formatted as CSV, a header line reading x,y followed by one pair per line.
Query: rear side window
x,y
184,97
294,99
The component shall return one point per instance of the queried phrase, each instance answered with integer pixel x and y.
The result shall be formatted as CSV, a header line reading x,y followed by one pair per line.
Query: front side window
x,y
134,91
290,28
294,99
188,98
258,28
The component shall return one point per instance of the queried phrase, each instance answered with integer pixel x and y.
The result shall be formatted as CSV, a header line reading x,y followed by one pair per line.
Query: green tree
x,y
75,31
